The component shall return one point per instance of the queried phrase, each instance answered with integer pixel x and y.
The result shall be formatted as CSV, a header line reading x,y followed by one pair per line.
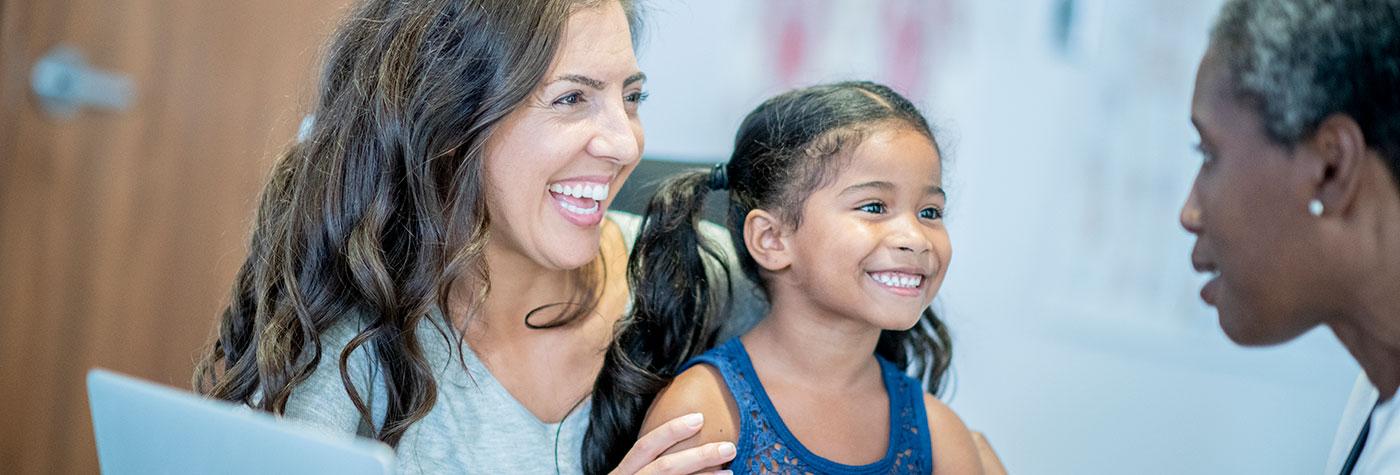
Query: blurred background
x,y
135,136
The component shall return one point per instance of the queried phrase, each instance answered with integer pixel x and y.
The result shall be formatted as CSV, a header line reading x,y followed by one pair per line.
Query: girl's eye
x,y
873,208
931,213
637,97
569,99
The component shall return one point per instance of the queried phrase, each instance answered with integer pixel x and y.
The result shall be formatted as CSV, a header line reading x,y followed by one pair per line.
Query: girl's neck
x,y
814,344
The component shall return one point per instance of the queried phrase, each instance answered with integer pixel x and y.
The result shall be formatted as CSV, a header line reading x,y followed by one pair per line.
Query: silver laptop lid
x,y
142,428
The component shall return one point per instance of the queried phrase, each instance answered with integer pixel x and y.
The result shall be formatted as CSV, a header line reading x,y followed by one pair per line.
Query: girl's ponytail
x,y
674,315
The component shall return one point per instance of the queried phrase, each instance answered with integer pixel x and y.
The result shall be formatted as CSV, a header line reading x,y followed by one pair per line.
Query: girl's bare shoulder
x,y
699,389
953,448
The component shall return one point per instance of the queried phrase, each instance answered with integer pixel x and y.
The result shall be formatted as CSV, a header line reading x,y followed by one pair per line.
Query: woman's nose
x,y
1191,212
617,137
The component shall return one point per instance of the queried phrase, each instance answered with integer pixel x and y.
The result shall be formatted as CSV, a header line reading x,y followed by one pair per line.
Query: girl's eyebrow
x,y
875,185
886,186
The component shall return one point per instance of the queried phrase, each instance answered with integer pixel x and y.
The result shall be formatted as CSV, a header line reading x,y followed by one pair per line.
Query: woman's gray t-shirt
x,y
476,426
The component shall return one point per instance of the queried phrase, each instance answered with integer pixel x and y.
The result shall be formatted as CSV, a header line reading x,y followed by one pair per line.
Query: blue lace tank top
x,y
766,446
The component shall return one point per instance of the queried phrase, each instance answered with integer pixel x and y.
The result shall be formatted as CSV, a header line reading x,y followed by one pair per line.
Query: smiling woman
x,y
572,143
435,266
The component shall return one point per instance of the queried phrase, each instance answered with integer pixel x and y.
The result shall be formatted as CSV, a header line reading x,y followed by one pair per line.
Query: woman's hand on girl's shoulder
x,y
954,450
690,428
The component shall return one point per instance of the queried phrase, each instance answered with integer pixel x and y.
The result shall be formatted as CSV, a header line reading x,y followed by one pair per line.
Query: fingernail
x,y
693,419
726,449
725,472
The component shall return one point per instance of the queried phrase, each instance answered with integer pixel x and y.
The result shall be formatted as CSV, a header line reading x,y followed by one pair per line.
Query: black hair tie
x,y
719,179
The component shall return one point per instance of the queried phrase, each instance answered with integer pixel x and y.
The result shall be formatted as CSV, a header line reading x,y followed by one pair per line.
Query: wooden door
x,y
120,232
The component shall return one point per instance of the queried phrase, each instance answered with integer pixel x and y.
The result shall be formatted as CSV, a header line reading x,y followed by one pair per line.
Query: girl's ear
x,y
767,240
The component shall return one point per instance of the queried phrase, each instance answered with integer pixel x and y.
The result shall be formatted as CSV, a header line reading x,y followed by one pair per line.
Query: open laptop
x,y
142,428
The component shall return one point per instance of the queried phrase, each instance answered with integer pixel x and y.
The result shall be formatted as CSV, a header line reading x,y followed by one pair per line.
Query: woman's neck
x,y
1370,326
1371,332
813,343
517,285
1380,359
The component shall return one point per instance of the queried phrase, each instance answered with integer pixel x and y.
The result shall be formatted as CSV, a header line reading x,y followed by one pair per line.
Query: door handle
x,y
65,83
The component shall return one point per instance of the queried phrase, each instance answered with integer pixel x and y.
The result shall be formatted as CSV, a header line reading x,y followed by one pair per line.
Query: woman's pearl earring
x,y
1315,207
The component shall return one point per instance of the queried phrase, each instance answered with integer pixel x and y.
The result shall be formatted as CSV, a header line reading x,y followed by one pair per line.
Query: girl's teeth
x,y
898,280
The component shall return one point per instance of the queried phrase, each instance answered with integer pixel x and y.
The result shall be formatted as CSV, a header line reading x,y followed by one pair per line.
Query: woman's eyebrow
x,y
581,79
598,83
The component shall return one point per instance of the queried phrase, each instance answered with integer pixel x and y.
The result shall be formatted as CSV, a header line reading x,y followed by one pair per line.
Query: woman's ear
x,y
766,239
1337,156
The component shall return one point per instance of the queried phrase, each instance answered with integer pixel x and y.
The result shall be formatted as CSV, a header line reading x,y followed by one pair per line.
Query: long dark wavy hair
x,y
789,145
379,214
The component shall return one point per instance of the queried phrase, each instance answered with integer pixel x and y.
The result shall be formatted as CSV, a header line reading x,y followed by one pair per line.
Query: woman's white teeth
x,y
577,210
582,190
895,279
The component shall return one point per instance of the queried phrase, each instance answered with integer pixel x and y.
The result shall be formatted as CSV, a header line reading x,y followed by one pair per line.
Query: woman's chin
x,y
572,256
1245,328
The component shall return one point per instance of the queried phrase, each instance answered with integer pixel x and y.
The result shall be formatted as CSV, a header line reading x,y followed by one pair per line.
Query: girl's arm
x,y
954,452
699,389
991,464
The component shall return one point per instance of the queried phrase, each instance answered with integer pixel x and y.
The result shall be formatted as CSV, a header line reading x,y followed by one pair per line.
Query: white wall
x,y
1081,346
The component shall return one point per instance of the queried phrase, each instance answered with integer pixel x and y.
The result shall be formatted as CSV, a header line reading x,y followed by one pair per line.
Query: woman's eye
x,y
873,208
931,213
569,99
1206,157
637,97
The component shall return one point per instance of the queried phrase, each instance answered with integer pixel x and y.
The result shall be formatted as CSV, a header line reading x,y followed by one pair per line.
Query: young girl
x,y
835,194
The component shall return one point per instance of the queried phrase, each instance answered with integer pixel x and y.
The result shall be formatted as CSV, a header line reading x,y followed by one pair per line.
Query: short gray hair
x,y
1300,61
